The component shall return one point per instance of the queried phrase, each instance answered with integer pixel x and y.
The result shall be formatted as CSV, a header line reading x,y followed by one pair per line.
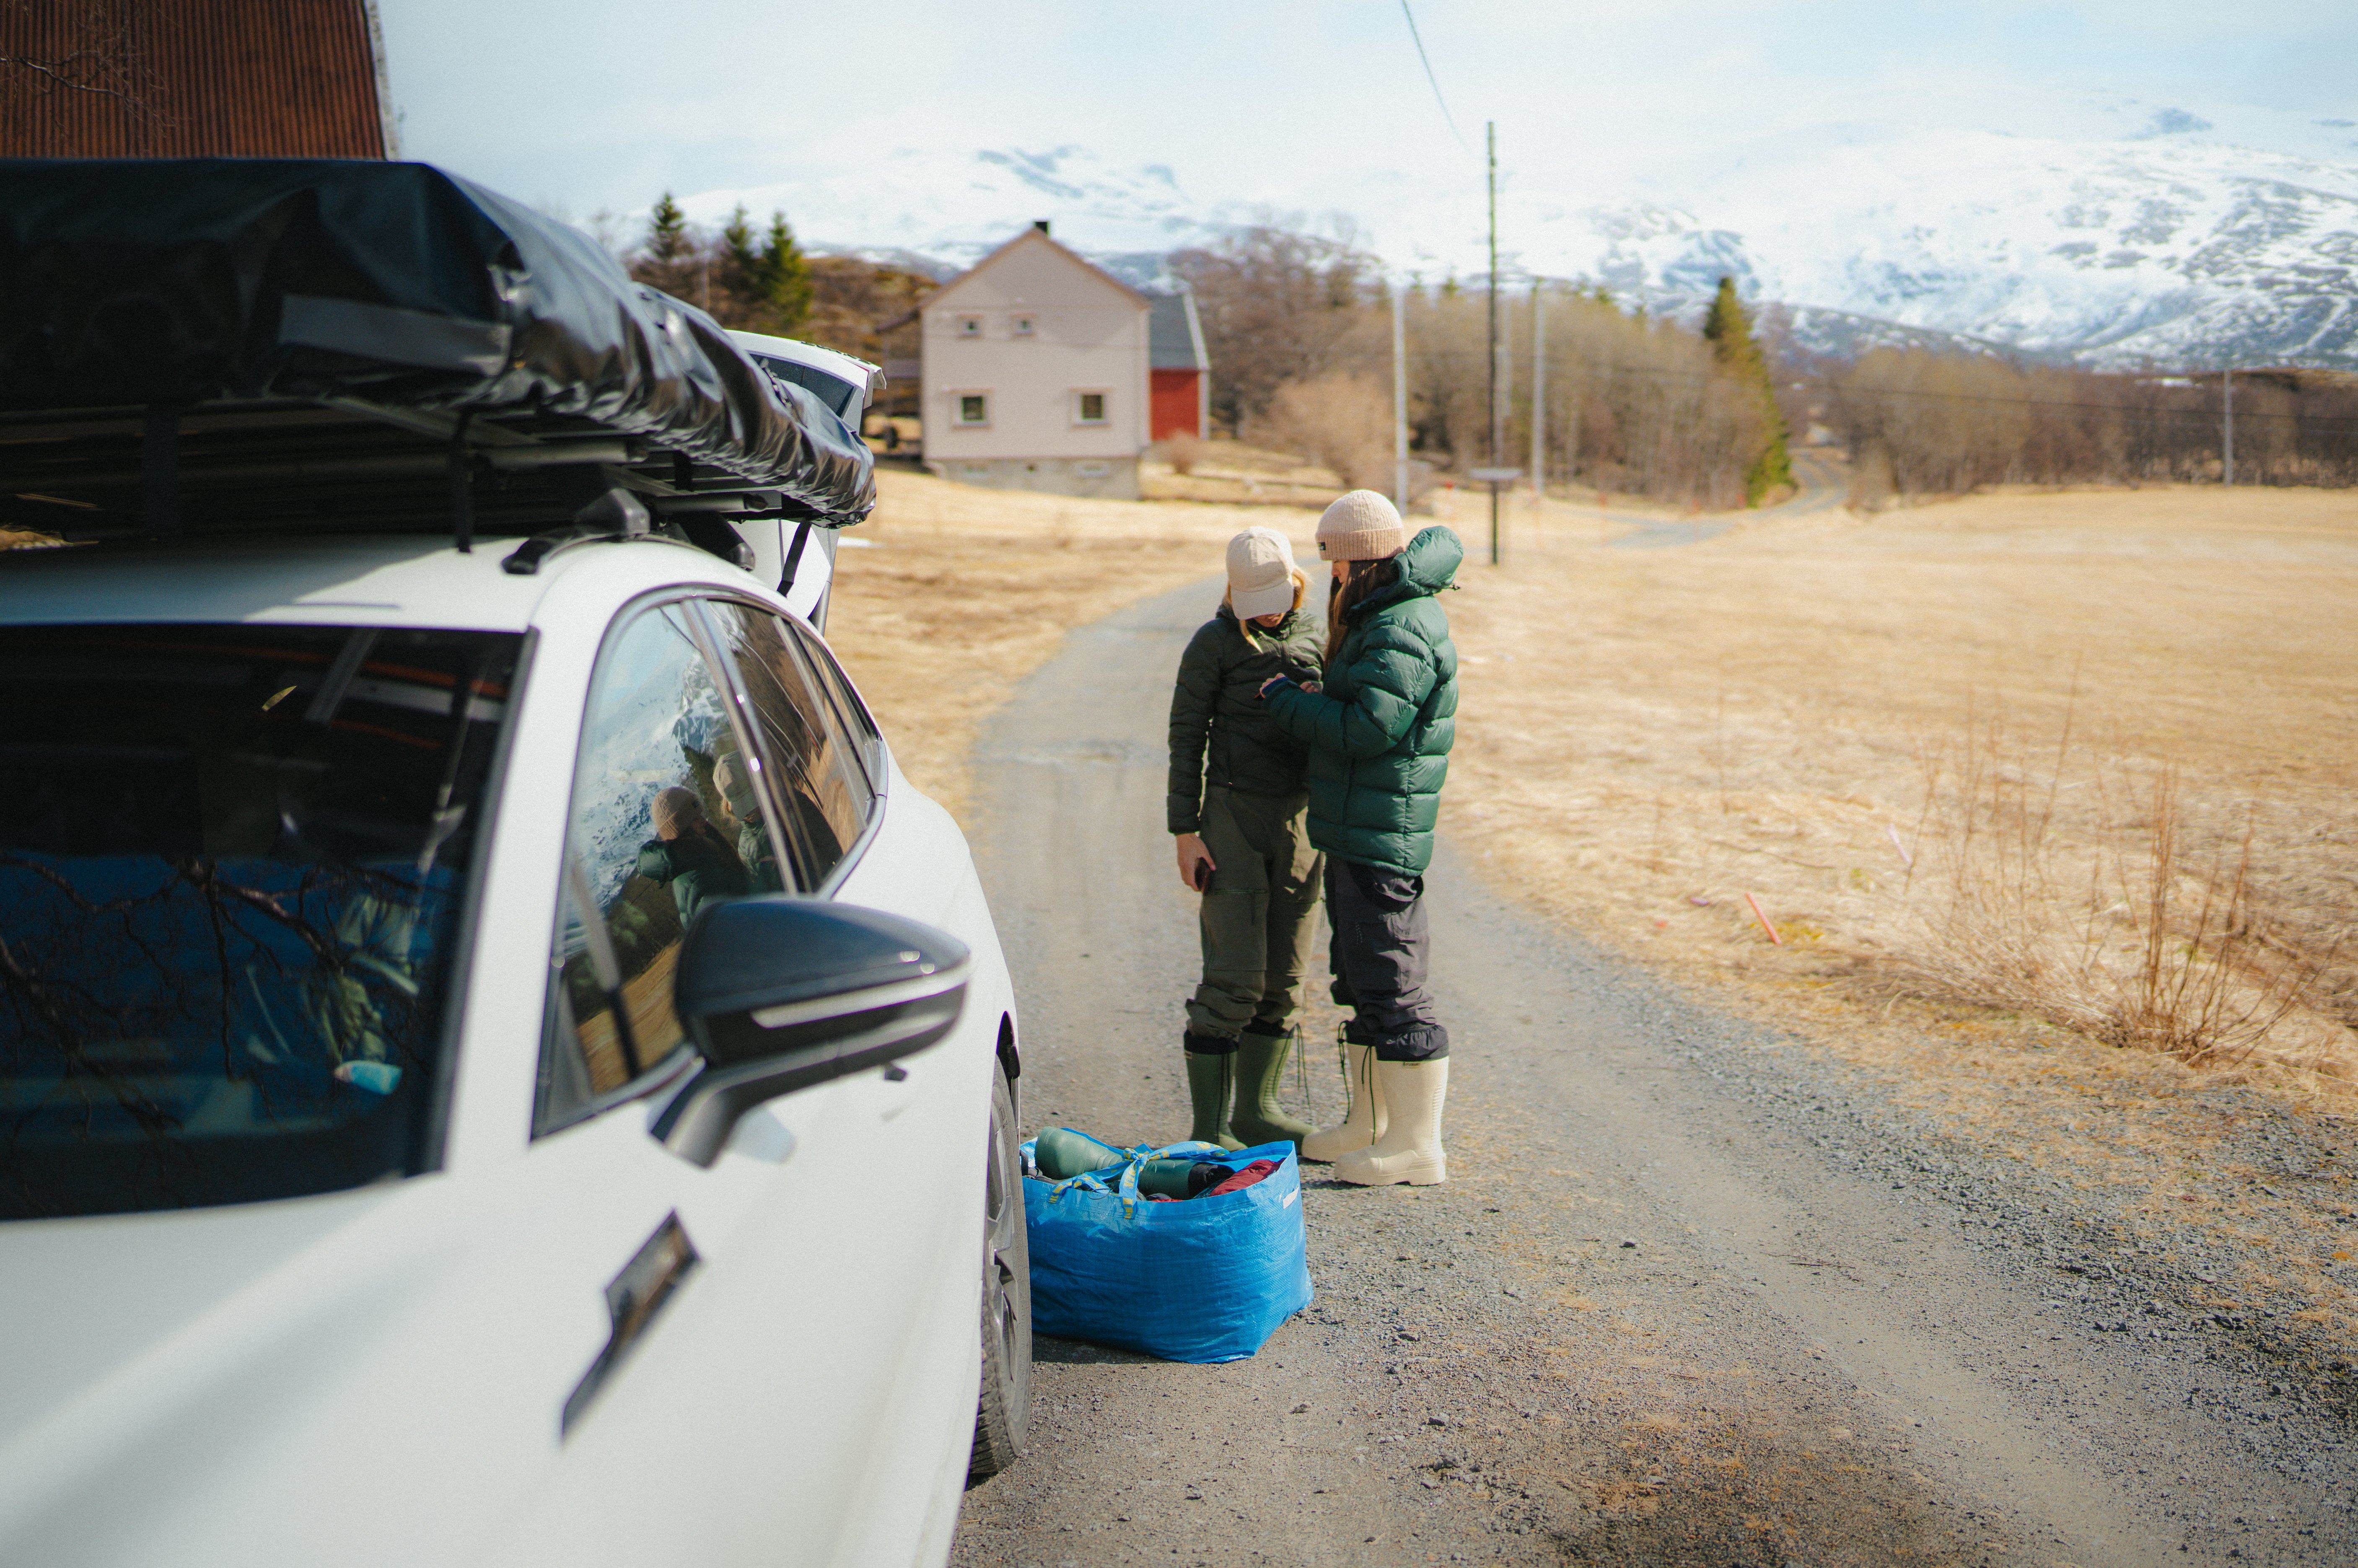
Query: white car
x,y
425,1142
847,386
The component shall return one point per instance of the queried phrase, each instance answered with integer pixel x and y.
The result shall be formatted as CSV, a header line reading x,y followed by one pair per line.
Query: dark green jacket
x,y
1380,732
699,868
1221,732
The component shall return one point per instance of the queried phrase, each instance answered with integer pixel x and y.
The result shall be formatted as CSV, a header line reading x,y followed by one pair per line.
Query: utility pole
x,y
2227,380
1495,476
1498,425
1539,396
1400,398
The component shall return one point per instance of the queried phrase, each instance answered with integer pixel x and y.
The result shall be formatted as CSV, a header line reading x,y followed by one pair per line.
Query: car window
x,y
837,393
818,783
230,876
860,731
663,821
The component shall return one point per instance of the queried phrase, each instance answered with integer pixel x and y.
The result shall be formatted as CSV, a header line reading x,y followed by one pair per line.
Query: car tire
x,y
1002,1417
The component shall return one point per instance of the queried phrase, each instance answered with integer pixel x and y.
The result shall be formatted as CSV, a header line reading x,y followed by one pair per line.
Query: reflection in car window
x,y
821,790
861,730
230,872
663,821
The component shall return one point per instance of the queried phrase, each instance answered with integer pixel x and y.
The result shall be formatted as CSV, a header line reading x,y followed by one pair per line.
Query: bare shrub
x,y
1342,421
2126,938
1275,304
1634,405
1870,480
1182,450
1948,423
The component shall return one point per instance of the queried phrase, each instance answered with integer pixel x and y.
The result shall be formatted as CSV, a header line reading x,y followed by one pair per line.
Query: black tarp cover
x,y
182,282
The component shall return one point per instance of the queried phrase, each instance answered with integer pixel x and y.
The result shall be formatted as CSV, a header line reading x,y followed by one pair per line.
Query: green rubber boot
x,y
1210,1075
1261,1070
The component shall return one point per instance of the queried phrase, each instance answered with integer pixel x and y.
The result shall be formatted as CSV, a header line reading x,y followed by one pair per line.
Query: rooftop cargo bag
x,y
1203,1279
314,344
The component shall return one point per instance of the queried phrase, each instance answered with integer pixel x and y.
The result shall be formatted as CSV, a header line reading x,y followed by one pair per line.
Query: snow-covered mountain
x,y
2155,251
2168,244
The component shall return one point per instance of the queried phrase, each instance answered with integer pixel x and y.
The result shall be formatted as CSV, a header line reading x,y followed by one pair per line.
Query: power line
x,y
1418,38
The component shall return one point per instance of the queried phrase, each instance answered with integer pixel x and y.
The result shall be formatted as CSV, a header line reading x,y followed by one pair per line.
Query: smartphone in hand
x,y
1203,875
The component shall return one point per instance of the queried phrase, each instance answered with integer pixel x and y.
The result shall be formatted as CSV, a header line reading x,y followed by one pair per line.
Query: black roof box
x,y
220,344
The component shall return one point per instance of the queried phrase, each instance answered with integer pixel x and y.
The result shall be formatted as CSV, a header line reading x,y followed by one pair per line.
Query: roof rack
x,y
202,346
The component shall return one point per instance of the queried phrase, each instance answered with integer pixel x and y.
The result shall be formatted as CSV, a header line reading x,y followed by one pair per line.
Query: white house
x,y
1035,373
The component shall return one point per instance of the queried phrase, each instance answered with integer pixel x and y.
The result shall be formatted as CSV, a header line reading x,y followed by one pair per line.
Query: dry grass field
x,y
2046,797
2084,757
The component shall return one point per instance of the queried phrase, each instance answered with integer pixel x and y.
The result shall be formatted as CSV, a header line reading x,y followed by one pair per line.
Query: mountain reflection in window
x,y
231,874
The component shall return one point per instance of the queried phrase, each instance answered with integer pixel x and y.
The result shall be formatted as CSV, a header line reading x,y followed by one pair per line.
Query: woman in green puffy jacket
x,y
1379,731
1236,812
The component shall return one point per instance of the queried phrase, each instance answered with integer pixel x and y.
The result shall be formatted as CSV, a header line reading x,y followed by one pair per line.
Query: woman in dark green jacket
x,y
1236,810
1378,731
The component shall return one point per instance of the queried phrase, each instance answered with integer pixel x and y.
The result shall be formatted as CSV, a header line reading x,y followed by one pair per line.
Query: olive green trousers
x,y
1259,916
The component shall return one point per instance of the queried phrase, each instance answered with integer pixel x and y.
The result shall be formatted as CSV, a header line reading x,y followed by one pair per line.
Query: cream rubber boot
x,y
1409,1147
1364,1123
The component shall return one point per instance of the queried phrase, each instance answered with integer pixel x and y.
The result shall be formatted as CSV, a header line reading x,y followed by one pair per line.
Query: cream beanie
x,y
1360,527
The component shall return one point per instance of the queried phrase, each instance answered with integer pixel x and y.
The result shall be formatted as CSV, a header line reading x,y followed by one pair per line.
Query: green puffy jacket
x,y
1220,732
1380,732
700,867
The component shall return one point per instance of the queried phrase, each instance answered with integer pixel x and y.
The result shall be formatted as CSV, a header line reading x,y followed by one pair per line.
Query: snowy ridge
x,y
2171,246
2112,254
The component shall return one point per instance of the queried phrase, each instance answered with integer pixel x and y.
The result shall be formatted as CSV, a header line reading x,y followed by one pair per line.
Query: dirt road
x,y
1691,1295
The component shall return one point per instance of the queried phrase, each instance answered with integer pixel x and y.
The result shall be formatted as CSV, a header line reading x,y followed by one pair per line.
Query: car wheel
x,y
1002,1417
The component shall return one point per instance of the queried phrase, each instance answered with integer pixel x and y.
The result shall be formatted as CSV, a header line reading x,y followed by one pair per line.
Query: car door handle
x,y
632,1298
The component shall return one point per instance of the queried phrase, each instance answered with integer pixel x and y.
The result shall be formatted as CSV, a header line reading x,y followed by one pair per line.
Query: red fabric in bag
x,y
1245,1177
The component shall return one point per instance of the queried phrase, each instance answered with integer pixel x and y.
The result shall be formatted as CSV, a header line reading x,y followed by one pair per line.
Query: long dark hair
x,y
1361,581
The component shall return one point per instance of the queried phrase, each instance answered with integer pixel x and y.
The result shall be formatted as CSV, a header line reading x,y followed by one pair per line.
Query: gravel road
x,y
1692,1293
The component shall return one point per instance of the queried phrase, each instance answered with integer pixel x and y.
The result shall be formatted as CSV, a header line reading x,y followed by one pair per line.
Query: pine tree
x,y
784,275
1728,328
667,240
737,239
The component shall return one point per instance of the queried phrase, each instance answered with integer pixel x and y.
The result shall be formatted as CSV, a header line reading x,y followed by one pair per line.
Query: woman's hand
x,y
1193,854
1263,692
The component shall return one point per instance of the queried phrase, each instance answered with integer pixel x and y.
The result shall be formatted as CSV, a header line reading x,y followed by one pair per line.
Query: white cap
x,y
1260,573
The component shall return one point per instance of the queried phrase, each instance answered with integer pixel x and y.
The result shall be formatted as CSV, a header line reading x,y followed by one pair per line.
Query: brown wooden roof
x,y
189,79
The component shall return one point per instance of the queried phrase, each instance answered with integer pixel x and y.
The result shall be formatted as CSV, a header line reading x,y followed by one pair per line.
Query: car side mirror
x,y
779,993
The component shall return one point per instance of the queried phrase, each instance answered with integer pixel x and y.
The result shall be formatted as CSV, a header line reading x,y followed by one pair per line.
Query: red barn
x,y
194,79
1179,387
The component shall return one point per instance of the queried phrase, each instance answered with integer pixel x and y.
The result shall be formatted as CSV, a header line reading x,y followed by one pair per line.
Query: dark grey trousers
x,y
1260,917
1380,952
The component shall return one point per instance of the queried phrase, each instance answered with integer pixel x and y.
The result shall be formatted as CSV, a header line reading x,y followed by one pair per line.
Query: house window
x,y
973,408
969,326
1023,326
1089,408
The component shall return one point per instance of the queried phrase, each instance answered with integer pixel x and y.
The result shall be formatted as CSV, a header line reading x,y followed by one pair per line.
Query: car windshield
x,y
231,871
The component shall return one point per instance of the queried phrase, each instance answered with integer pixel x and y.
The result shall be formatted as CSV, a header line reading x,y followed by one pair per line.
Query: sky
x,y
865,122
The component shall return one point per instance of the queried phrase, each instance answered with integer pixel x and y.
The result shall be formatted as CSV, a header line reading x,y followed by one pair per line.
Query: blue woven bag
x,y
1207,1279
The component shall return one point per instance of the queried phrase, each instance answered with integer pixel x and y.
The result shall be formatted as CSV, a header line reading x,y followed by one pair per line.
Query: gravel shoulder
x,y
1696,1292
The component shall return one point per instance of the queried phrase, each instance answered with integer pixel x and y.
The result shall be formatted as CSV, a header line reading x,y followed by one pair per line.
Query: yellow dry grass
x,y
960,592
1939,749
1944,725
